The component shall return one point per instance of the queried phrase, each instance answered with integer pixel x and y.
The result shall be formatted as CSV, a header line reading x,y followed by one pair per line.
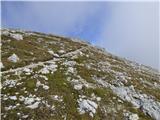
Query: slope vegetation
x,y
49,77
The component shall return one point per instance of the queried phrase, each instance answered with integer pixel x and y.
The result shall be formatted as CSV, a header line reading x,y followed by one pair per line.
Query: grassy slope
x,y
30,48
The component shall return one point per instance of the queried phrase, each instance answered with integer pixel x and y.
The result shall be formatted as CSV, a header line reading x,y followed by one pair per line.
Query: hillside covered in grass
x,y
49,77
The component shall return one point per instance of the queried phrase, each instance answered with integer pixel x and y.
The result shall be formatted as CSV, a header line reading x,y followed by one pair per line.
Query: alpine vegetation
x,y
49,77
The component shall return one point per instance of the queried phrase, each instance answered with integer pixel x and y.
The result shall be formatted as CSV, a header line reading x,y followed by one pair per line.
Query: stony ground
x,y
48,77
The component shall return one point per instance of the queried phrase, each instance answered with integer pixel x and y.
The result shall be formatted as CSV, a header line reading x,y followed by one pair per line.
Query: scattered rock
x,y
71,70
57,98
1,65
27,71
38,84
16,36
33,106
13,97
44,71
45,87
29,100
10,107
9,83
98,99
5,32
94,97
40,39
47,68
69,63
142,101
13,58
25,116
87,106
18,114
78,87
50,52
61,51
131,116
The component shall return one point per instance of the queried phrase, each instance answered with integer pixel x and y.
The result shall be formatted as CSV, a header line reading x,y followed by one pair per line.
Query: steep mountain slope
x,y
48,77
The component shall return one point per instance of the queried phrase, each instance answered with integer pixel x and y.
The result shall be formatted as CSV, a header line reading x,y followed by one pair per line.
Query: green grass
x,y
58,84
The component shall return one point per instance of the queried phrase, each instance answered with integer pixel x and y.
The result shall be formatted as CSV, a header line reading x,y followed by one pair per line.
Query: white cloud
x,y
132,32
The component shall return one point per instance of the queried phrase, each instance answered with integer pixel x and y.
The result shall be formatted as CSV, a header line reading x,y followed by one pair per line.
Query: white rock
x,y
78,87
70,69
13,58
144,102
87,56
98,99
1,65
40,39
57,98
26,70
29,100
91,114
25,116
13,31
53,107
28,73
69,63
120,101
33,106
42,76
37,99
17,104
133,117
25,91
80,53
50,52
9,83
61,51
10,107
52,67
5,32
18,114
56,55
45,87
87,106
17,36
17,93
5,97
94,105
38,84
13,97
44,71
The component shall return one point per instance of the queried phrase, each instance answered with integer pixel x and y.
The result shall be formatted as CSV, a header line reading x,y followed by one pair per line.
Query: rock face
x,y
141,101
70,79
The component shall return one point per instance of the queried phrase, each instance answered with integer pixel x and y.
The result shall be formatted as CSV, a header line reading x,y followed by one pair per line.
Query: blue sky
x,y
77,19
127,29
